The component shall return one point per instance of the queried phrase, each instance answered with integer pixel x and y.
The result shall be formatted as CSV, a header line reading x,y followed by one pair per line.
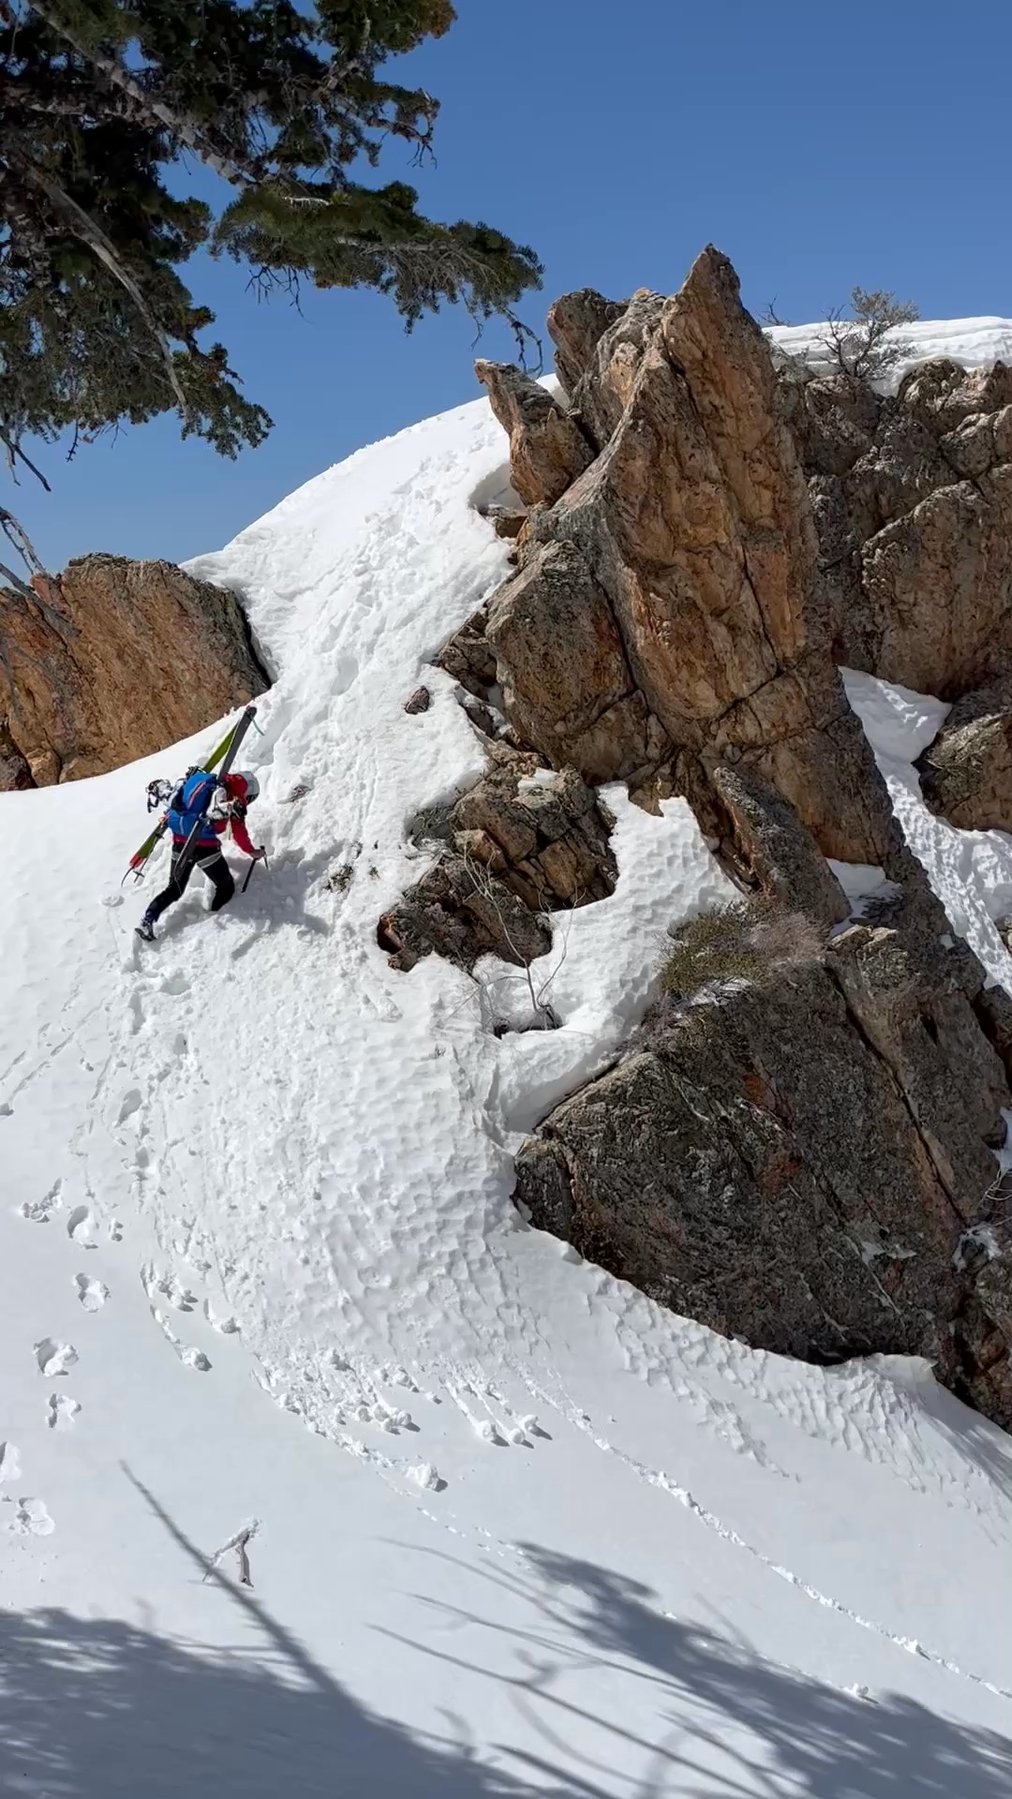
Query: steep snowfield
x,y
539,1536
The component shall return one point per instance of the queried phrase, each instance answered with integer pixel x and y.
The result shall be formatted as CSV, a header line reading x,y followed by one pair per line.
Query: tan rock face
x,y
568,685
912,497
576,324
117,660
547,448
670,606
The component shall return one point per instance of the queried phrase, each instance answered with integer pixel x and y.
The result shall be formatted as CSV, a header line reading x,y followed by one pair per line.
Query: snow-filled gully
x,y
253,1164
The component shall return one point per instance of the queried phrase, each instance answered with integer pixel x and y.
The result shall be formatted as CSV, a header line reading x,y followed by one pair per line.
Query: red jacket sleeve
x,y
241,835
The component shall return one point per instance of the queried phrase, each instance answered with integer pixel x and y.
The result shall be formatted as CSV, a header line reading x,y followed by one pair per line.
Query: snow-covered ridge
x,y
974,343
539,1536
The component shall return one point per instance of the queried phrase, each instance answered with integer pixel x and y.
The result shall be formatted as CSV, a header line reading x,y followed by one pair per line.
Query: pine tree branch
x,y
90,232
155,111
15,96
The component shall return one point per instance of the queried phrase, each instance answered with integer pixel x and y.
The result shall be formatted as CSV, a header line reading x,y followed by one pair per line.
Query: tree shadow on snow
x,y
97,1708
598,1653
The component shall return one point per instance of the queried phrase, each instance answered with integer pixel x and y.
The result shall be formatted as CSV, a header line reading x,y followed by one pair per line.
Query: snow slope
x,y
512,1529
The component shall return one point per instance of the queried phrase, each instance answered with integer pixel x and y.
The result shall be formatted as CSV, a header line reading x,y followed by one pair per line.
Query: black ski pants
x,y
209,859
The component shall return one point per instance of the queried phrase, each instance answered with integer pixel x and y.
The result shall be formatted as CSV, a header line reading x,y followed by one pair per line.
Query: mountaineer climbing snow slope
x,y
320,1470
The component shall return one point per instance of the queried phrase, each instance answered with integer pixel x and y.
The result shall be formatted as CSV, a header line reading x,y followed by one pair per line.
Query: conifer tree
x,y
105,108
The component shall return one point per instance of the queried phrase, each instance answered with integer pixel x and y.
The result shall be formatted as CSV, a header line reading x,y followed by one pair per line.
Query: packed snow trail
x,y
571,1543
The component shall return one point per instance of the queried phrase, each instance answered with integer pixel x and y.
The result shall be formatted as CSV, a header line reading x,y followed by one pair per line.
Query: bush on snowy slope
x,y
750,940
868,345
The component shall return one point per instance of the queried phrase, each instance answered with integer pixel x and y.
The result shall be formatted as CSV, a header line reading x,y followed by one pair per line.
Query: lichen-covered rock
x,y
938,588
469,657
966,773
523,841
780,855
113,660
799,1163
912,497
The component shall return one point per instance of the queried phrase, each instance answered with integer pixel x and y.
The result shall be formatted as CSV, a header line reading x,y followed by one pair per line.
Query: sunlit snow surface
x,y
539,1536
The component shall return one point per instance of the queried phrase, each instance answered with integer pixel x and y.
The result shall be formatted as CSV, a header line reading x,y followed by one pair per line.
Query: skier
x,y
214,807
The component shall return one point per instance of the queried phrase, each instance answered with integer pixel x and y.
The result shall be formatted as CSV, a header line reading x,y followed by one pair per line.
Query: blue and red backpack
x,y
189,804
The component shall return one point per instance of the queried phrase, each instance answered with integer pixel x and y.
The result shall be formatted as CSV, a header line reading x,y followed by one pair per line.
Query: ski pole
x,y
261,858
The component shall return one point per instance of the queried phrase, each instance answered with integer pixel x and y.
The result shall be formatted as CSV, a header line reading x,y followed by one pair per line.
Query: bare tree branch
x,y
15,453
15,581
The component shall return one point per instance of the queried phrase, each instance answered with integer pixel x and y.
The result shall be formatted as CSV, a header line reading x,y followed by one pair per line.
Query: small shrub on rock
x,y
744,941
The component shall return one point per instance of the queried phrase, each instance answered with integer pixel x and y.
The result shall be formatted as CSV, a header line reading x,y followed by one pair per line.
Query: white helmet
x,y
251,783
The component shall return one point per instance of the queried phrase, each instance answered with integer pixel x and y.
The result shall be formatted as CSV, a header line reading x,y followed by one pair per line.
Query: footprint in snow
x,y
166,1285
40,1211
224,1323
10,1462
92,1294
129,1104
486,1430
174,983
61,1411
31,1519
54,1357
81,1228
190,1357
426,1477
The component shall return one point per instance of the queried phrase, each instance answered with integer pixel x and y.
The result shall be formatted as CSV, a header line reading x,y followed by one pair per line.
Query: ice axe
x,y
261,858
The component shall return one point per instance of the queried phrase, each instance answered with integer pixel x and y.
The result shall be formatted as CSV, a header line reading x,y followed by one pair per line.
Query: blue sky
x,y
817,145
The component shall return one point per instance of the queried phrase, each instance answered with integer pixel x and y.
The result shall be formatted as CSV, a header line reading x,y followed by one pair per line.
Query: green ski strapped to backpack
x,y
224,752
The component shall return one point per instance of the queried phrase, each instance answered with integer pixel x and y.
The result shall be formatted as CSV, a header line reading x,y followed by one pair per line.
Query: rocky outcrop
x,y
912,497
780,858
805,1163
577,322
966,773
547,448
522,842
112,661
14,770
669,614
567,686
797,1147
